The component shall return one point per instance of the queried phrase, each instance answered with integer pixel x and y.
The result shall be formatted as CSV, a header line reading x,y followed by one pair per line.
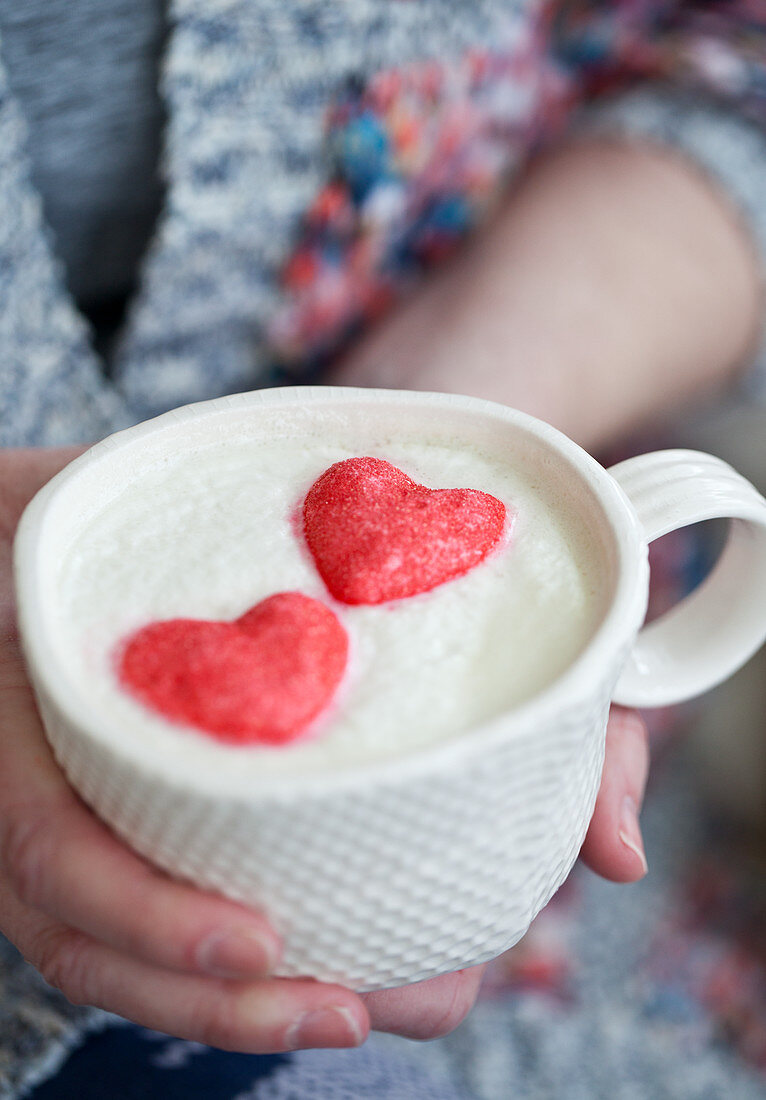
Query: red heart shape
x,y
376,535
260,679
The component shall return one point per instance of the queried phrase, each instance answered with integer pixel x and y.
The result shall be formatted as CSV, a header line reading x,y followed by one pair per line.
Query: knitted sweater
x,y
267,103
317,157
85,76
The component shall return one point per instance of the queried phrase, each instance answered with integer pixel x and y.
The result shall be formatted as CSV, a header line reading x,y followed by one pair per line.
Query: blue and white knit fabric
x,y
246,85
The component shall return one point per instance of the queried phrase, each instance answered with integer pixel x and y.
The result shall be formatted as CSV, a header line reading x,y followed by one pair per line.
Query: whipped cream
x,y
210,532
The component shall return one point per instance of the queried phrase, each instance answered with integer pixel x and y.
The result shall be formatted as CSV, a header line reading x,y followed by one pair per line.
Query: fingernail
x,y
334,1026
630,831
238,953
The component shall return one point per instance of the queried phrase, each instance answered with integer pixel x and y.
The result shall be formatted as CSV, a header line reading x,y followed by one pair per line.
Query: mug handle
x,y
715,629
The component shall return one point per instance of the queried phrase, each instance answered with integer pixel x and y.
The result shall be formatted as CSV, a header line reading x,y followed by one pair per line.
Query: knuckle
x,y
629,751
136,930
635,727
13,677
61,956
440,1021
630,727
451,1019
212,1020
26,854
156,926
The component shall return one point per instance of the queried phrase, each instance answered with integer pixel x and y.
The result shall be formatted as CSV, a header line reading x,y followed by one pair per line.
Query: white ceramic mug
x,y
385,874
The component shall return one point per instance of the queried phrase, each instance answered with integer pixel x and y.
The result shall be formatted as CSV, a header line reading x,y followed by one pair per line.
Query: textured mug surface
x,y
380,875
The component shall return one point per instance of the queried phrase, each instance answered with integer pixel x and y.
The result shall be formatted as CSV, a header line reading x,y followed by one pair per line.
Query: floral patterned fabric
x,y
418,155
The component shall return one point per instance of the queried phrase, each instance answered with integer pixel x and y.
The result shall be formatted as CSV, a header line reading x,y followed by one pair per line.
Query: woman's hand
x,y
109,930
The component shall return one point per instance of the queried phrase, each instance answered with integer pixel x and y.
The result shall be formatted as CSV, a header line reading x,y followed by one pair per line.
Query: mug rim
x,y
573,687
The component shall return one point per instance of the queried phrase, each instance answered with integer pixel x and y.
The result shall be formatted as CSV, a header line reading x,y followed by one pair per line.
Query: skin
x,y
613,284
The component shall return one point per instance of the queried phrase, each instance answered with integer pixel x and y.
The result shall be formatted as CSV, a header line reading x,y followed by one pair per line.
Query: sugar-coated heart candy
x,y
261,679
377,535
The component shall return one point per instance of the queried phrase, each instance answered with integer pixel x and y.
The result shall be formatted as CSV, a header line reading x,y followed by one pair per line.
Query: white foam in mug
x,y
444,794
211,532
